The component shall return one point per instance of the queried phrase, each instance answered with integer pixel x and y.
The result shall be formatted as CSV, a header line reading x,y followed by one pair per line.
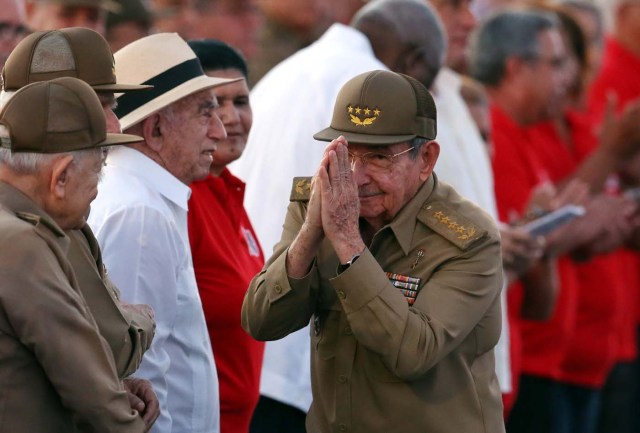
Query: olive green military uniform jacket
x,y
128,333
57,374
391,353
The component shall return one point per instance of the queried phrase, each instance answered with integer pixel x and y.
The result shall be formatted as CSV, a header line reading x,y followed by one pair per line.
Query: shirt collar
x,y
151,173
403,225
337,33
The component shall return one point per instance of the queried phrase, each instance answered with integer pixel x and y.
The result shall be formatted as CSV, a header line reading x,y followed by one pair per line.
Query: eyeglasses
x,y
381,161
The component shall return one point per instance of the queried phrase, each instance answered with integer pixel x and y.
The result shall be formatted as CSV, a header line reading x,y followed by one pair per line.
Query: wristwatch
x,y
352,260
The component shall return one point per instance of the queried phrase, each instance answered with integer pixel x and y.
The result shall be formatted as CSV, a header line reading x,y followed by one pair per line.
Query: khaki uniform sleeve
x,y
141,331
52,320
276,305
412,340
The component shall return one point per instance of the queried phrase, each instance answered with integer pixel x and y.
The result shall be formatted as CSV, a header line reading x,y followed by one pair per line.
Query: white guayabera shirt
x,y
140,220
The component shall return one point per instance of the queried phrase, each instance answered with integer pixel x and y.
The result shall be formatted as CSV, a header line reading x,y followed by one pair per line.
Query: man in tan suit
x,y
57,372
128,329
399,275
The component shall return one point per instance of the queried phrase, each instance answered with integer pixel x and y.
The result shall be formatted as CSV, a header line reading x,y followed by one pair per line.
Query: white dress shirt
x,y
140,220
464,163
290,104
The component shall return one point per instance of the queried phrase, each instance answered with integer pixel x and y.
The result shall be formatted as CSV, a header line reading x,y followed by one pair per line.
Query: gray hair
x,y
417,144
414,22
504,35
28,163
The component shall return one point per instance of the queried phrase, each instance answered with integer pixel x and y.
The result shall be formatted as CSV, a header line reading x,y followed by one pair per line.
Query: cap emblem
x,y
355,118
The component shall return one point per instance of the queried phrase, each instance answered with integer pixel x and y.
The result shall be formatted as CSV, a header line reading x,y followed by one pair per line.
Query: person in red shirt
x,y
226,253
618,81
522,59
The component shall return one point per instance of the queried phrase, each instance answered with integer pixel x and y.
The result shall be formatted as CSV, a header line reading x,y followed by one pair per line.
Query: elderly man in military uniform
x,y
127,328
58,375
399,275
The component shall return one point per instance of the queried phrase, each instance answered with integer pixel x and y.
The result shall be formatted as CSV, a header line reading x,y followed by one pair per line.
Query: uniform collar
x,y
22,206
403,225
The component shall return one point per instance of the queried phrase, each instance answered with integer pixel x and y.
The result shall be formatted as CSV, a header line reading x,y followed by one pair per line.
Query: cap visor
x,y
329,134
120,88
115,139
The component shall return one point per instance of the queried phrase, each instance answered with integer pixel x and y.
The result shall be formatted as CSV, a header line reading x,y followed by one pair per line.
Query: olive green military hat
x,y
380,108
57,116
72,52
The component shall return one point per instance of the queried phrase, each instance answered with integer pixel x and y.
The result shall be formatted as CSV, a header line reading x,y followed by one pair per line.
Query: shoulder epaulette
x,y
451,225
36,220
301,189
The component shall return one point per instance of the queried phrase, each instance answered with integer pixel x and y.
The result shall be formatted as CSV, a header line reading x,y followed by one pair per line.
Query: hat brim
x,y
120,88
185,89
115,139
329,134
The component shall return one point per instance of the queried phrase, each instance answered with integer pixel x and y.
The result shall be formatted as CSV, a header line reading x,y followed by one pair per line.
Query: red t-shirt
x,y
519,166
226,256
619,75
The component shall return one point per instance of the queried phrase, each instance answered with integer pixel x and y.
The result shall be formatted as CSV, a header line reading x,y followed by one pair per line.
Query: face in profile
x,y
82,187
190,132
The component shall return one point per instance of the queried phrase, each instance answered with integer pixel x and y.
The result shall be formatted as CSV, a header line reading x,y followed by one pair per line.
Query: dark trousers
x,y
620,409
272,416
577,409
534,406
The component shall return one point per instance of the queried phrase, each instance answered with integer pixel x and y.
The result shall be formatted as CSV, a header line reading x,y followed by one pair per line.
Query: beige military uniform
x,y
128,333
409,351
57,374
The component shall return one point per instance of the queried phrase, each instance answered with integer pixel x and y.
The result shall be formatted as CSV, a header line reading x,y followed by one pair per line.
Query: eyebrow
x,y
208,105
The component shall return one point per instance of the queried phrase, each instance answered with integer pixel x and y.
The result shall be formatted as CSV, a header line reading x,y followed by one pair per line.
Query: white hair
x,y
30,162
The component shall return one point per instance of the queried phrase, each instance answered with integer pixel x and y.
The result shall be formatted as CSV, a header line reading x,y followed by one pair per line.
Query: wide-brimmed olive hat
x,y
380,108
71,52
61,115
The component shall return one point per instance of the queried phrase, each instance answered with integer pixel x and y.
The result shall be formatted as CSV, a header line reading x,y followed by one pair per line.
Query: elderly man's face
x,y
108,102
190,136
82,189
384,191
51,15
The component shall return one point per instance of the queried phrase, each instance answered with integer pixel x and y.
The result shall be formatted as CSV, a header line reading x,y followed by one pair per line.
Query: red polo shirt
x,y
226,256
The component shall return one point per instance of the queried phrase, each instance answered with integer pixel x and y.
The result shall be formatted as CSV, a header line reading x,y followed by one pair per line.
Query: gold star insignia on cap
x,y
356,120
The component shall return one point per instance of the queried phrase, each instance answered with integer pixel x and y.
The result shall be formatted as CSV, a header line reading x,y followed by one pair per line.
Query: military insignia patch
x,y
451,225
355,115
408,286
301,189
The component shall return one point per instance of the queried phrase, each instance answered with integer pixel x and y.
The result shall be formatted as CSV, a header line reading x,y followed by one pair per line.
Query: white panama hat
x,y
166,62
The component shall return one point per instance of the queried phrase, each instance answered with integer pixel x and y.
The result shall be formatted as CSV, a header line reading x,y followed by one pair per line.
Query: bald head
x,y
406,35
